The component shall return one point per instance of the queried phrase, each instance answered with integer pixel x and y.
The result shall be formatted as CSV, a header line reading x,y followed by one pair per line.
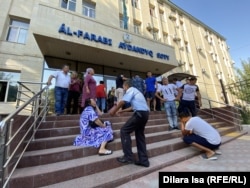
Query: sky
x,y
229,18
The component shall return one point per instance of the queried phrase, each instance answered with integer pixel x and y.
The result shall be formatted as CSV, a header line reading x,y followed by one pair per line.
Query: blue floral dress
x,y
92,136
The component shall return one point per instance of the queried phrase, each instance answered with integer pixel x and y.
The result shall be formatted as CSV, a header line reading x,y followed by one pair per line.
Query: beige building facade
x,y
113,36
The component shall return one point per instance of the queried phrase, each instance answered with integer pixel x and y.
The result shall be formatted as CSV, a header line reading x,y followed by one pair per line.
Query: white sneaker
x,y
204,156
218,152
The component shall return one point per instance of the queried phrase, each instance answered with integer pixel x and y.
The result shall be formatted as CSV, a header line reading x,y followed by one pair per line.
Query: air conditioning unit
x,y
203,70
199,48
149,27
172,16
182,47
211,52
181,63
176,38
181,20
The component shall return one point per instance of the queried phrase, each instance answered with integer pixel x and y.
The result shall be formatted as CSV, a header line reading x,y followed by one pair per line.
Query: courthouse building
x,y
112,36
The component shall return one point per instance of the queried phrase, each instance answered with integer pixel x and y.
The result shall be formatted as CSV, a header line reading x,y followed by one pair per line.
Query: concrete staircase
x,y
52,161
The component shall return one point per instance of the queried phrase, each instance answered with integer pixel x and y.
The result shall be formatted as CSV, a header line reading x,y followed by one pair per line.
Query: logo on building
x,y
127,38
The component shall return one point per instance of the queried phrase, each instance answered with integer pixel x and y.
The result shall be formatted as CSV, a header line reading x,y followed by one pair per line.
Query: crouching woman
x,y
94,132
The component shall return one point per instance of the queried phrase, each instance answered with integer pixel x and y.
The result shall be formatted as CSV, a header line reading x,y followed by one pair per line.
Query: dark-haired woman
x,y
94,131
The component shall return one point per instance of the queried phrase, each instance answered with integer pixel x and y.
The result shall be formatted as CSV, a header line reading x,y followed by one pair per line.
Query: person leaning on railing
x,y
61,88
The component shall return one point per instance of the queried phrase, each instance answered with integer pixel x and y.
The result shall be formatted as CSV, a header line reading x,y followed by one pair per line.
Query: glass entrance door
x,y
109,82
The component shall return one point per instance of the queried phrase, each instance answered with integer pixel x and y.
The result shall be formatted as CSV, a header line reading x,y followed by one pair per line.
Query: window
x,y
165,37
69,4
135,3
137,28
18,31
162,17
88,9
8,86
152,11
123,25
155,35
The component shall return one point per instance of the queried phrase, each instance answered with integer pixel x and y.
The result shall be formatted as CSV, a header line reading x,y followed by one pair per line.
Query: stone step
x,y
85,172
68,121
66,140
50,155
46,156
51,131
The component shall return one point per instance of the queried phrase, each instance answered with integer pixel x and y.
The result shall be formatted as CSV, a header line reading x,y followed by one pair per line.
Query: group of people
x,y
71,92
97,133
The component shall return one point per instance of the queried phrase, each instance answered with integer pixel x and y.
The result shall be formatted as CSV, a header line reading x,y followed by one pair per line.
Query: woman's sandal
x,y
107,152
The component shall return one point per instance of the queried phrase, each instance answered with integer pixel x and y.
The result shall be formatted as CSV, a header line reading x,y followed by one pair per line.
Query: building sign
x,y
107,41
85,35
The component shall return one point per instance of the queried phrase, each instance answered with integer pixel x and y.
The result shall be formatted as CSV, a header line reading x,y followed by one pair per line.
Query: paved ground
x,y
235,157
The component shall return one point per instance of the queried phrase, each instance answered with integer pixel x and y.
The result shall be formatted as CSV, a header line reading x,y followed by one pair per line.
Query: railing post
x,y
46,104
2,150
19,96
210,107
5,171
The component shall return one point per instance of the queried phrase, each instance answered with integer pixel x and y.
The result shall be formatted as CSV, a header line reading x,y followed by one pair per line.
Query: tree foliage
x,y
241,89
244,72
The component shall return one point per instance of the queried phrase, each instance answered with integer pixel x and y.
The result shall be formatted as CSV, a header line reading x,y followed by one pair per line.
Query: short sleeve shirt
x,y
150,84
168,91
189,92
62,80
200,127
136,99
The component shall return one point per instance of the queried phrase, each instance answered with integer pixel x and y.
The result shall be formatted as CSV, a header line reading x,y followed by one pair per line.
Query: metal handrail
x,y
27,129
224,114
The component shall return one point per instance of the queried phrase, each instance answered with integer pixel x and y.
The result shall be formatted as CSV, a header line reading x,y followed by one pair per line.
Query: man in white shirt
x,y
168,97
200,134
186,96
61,88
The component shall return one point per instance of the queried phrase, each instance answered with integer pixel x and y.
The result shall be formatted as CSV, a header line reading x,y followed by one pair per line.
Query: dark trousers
x,y
189,105
73,95
136,123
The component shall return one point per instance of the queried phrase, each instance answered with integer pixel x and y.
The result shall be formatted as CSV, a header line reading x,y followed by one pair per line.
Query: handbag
x,y
93,125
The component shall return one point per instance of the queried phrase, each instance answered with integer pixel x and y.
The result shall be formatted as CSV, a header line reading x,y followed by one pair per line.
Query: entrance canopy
x,y
98,57
179,76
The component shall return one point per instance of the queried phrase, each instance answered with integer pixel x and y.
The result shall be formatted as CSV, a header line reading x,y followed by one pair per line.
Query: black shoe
x,y
141,164
170,128
124,160
177,128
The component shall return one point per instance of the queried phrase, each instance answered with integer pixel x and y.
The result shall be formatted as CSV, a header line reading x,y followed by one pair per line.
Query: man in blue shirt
x,y
135,123
151,86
